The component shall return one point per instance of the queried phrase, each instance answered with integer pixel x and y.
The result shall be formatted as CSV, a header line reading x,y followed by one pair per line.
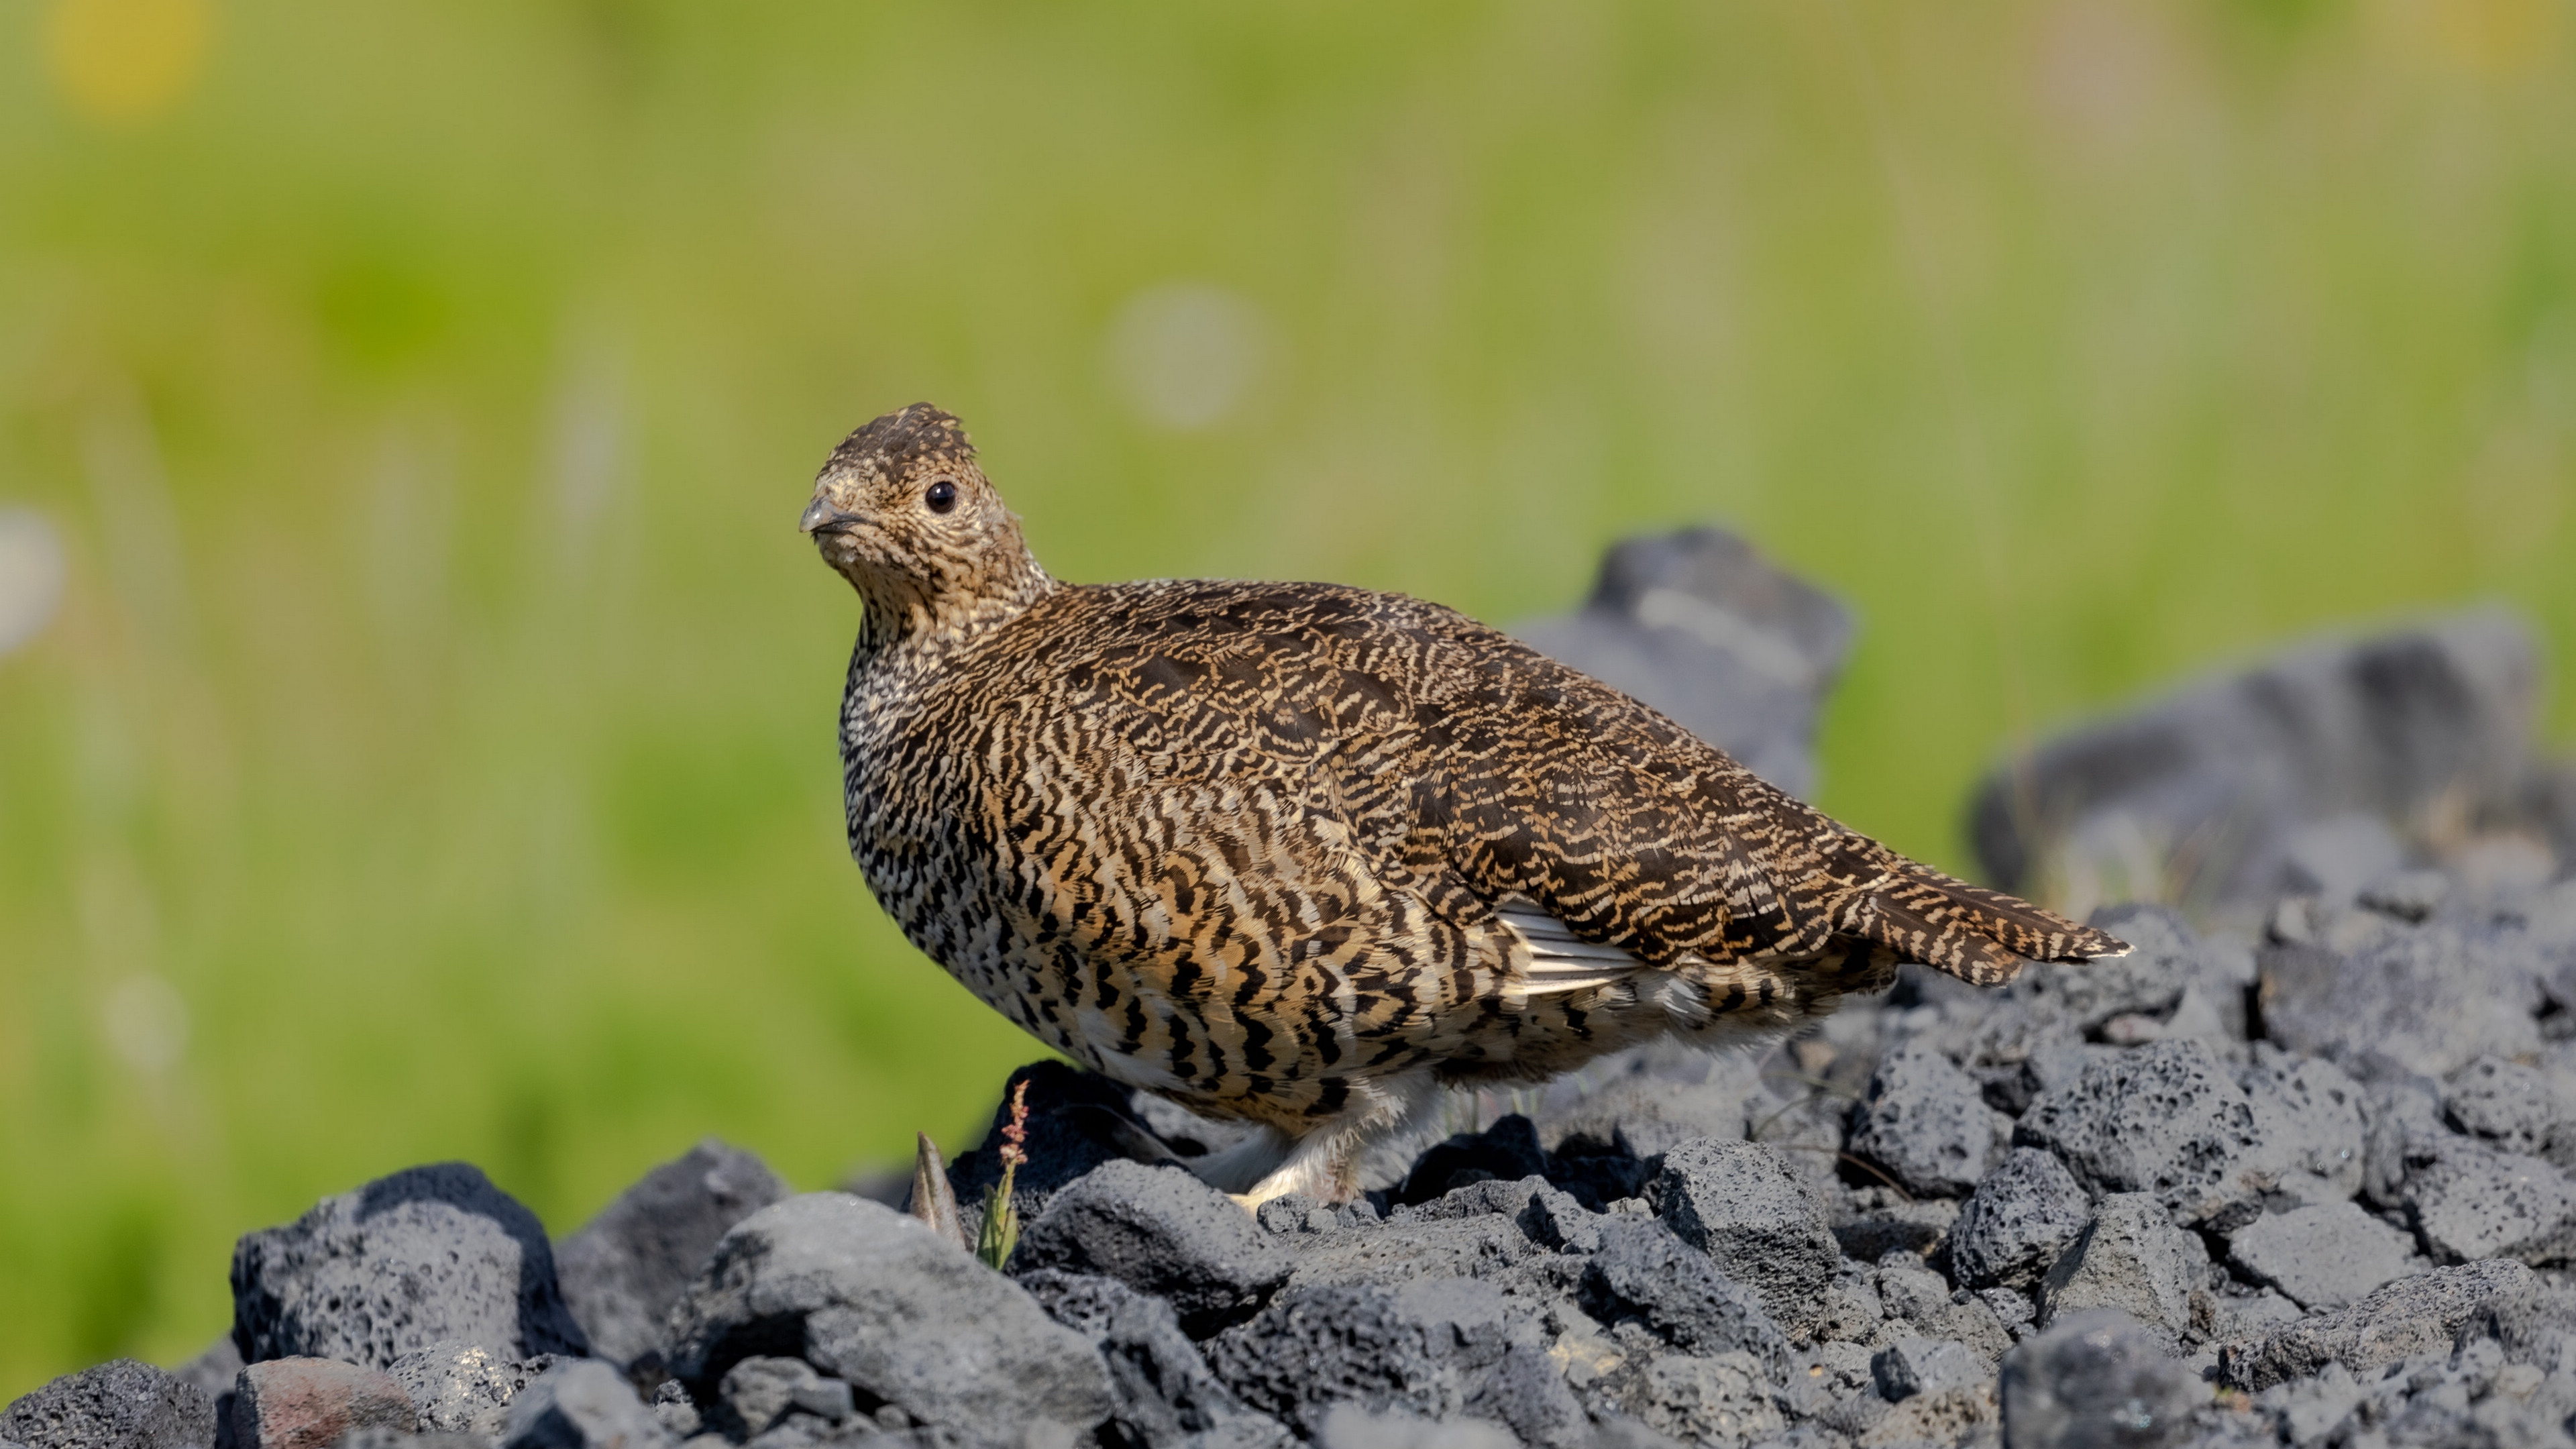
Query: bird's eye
x,y
941,497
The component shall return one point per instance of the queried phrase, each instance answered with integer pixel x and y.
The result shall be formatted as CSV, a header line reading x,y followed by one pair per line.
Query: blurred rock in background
x,y
2333,764
1699,625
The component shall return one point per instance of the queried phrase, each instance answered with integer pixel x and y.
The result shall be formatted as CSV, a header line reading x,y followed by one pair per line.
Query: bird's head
x,y
902,511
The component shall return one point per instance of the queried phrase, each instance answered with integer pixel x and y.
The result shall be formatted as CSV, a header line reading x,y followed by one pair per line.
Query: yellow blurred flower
x,y
124,62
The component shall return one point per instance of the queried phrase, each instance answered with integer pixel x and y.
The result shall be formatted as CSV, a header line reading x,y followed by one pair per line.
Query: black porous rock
x,y
1642,1273
1077,1120
1752,1214
1507,1151
1927,1124
1439,1347
428,1254
121,1404
2424,1314
585,1404
625,1268
2132,1258
875,1298
2325,1255
1166,1394
1160,1231
2021,1218
2165,1119
2095,1380
1702,627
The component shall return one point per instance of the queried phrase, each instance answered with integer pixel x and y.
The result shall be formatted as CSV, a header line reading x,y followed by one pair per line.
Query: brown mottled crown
x,y
889,444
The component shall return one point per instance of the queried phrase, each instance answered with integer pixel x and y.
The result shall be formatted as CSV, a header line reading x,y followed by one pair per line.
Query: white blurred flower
x,y
147,1023
1184,355
31,575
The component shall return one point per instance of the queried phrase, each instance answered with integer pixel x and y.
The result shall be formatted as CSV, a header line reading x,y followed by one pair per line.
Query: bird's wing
x,y
1481,775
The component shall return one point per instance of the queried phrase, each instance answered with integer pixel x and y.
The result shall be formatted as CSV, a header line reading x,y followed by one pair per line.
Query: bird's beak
x,y
822,517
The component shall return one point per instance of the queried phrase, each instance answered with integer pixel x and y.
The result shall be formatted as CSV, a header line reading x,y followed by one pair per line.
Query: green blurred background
x,y
431,754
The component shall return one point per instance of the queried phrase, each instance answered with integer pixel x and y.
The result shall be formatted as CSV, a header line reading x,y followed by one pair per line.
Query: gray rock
x,y
2166,959
121,1404
622,1272
2426,1314
1852,1310
2021,1218
1910,1292
2402,1115
1834,1388
2308,1115
2307,1410
1555,1220
2164,1119
584,1404
1348,1426
759,1391
2422,1001
463,1388
2513,1106
213,1371
313,1403
428,1254
1749,1211
1870,1230
1913,1366
1703,628
1650,1099
871,1296
2469,1201
2093,1381
1418,1243
1161,1231
1167,1396
1720,1400
1442,1348
1643,1274
2130,1257
2221,780
2242,1313
2408,895
2326,1255
1925,1122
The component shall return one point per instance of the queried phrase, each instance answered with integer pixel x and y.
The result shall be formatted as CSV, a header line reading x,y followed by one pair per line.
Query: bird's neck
x,y
911,621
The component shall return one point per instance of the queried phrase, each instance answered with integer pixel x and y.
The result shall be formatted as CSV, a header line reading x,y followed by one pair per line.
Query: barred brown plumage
x,y
1298,854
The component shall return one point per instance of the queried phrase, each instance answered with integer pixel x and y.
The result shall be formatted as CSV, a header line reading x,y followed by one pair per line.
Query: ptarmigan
x,y
1301,855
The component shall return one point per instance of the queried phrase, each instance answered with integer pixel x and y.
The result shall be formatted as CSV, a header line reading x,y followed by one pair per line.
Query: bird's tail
x,y
1980,936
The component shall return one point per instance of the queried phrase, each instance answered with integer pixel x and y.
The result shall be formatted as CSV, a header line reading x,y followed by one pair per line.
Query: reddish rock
x,y
309,1403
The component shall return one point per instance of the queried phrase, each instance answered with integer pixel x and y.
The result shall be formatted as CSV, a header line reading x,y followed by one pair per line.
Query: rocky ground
x,y
2297,1174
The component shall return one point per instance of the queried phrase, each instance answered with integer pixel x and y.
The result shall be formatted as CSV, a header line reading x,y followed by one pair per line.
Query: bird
x,y
1305,857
